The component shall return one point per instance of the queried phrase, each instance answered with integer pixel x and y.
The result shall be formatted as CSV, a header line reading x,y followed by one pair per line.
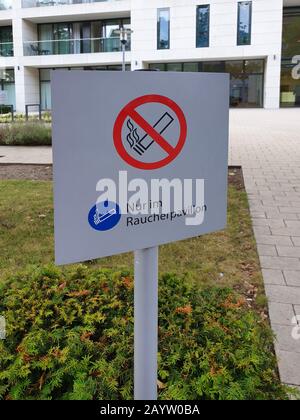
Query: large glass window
x,y
246,78
5,4
55,38
45,89
7,84
290,65
111,38
6,41
163,29
79,37
244,23
202,26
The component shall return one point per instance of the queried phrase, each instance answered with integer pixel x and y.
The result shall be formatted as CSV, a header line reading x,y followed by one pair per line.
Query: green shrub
x,y
19,117
25,134
70,336
5,110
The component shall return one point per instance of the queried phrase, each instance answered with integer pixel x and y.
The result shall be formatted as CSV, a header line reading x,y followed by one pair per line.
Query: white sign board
x,y
140,159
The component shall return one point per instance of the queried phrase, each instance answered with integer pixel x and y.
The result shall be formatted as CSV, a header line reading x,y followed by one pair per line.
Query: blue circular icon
x,y
104,216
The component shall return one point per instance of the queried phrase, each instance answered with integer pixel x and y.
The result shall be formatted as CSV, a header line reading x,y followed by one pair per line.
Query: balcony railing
x,y
41,3
6,49
73,46
5,4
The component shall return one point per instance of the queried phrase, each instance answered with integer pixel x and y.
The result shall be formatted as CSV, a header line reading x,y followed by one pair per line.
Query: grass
x,y
233,366
226,258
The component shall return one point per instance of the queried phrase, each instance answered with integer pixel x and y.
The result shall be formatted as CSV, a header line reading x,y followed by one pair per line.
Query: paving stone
x,y
283,294
273,276
297,311
259,215
289,367
292,277
289,209
275,203
279,196
273,240
288,251
285,231
262,230
282,263
281,313
268,250
296,240
289,216
273,223
293,224
284,337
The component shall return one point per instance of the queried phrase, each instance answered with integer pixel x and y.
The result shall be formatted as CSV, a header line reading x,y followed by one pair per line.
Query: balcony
x,y
6,49
5,4
73,46
42,3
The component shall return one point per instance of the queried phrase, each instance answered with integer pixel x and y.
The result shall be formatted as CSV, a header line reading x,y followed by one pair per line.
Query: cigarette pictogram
x,y
141,145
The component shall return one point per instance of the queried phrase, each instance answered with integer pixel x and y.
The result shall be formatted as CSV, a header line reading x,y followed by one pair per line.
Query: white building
x,y
241,37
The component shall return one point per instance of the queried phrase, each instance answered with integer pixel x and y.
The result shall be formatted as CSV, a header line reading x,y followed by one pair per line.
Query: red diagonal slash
x,y
151,131
129,110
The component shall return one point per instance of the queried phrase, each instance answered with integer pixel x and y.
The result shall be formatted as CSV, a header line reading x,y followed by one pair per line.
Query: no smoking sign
x,y
134,141
150,132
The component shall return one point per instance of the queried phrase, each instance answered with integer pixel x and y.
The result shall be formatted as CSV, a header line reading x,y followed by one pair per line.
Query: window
x,y
6,41
290,60
244,23
80,37
190,67
5,4
7,84
55,38
174,67
163,29
246,78
202,26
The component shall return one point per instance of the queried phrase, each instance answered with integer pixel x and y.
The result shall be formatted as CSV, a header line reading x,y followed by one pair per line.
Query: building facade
x,y
257,42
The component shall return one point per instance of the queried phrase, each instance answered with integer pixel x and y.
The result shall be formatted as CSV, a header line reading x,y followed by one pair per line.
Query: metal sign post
x,y
124,34
145,323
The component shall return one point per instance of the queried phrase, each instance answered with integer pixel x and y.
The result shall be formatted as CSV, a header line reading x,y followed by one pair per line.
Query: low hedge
x,y
70,336
25,134
19,117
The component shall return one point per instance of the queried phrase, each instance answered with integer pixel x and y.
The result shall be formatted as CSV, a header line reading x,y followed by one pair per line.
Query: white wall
x,y
266,38
265,43
25,22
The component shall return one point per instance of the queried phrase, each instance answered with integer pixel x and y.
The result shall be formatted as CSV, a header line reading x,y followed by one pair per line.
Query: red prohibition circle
x,y
130,111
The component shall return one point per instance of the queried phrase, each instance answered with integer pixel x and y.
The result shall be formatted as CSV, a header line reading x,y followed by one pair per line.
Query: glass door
x,y
85,37
62,34
6,41
45,46
111,41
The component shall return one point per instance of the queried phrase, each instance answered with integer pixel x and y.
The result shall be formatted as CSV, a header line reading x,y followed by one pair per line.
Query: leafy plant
x,y
5,117
70,336
29,133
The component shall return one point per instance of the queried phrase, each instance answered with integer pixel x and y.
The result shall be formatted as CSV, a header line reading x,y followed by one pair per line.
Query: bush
x,y
70,336
25,134
19,117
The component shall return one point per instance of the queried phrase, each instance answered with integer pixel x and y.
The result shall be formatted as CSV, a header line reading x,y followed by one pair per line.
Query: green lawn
x,y
226,258
70,333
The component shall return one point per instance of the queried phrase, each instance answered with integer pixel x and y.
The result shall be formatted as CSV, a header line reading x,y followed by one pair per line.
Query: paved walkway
x,y
20,154
267,145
